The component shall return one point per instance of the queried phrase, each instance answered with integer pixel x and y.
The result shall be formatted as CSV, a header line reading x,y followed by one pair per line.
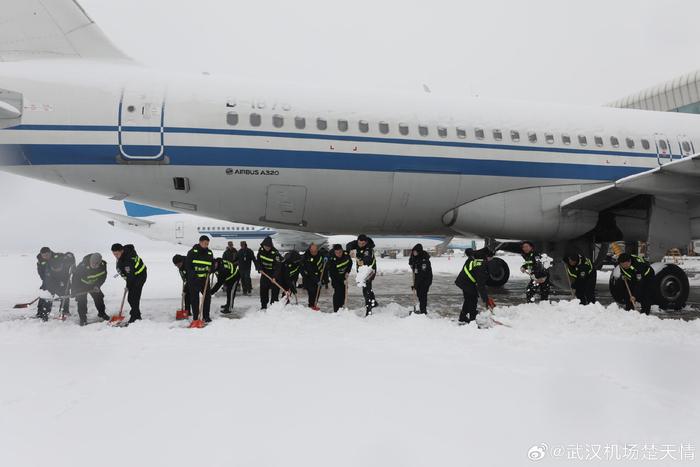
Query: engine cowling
x,y
531,213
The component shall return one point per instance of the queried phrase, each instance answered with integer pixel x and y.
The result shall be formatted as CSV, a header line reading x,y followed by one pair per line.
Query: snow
x,y
295,387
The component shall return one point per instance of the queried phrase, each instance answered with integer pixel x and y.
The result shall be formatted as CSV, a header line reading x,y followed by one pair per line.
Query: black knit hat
x,y
337,247
469,252
203,238
117,247
483,253
178,259
44,250
267,241
362,237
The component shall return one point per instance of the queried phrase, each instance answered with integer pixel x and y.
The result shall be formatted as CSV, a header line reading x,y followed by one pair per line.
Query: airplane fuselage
x,y
321,162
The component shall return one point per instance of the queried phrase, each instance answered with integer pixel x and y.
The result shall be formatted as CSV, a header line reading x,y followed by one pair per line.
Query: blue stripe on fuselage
x,y
52,154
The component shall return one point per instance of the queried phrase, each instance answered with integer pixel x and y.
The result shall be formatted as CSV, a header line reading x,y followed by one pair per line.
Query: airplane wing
x,y
679,178
134,221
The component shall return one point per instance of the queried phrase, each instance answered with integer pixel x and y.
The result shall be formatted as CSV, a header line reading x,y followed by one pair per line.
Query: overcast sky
x,y
588,52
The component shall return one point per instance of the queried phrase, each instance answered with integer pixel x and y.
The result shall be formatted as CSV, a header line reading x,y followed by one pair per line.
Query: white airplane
x,y
181,229
77,111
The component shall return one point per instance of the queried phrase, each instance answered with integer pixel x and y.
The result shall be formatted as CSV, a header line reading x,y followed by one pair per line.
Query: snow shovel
x,y
26,305
182,313
276,283
629,292
568,279
199,323
116,319
345,300
415,296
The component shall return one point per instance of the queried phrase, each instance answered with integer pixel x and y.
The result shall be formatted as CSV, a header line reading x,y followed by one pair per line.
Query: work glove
x,y
490,303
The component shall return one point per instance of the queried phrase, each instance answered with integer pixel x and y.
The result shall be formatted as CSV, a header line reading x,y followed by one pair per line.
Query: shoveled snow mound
x,y
296,387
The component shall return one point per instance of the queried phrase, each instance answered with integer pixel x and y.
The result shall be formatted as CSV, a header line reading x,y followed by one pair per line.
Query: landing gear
x,y
499,272
671,287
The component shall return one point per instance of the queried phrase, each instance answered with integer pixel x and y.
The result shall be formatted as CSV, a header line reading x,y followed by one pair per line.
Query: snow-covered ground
x,y
296,387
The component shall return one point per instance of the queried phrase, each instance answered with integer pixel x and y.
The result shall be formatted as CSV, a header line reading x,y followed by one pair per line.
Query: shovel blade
x,y
197,324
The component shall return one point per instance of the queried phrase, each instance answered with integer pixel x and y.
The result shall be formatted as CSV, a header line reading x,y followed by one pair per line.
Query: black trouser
x,y
368,294
186,295
135,287
246,284
535,288
469,311
422,294
338,295
196,292
643,291
231,289
585,290
311,286
97,297
43,308
269,292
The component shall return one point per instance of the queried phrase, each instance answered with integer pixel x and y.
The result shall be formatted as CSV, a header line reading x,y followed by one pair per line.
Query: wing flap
x,y
134,221
677,178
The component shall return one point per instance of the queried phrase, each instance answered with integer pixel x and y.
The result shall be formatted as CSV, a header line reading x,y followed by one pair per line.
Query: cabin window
x,y
232,118
442,132
582,140
403,129
479,133
363,125
630,143
549,138
255,119
614,142
277,121
342,125
515,136
566,139
321,124
687,149
663,145
422,130
461,133
532,137
645,144
299,123
383,128
497,135
598,141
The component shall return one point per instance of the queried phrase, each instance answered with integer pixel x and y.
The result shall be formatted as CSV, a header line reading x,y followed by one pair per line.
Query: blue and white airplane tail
x,y
51,29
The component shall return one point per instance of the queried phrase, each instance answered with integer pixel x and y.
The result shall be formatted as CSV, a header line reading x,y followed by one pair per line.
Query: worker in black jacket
x,y
582,276
364,256
132,268
179,262
472,280
55,270
246,258
289,272
199,265
325,278
638,275
312,272
88,278
228,276
419,262
230,252
269,264
539,274
339,267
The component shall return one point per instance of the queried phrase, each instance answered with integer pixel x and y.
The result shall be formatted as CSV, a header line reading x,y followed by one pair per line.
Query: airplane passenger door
x,y
664,153
179,230
285,204
141,120
686,146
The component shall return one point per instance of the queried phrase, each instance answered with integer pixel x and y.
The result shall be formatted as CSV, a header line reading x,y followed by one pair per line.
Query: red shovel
x,y
182,313
116,319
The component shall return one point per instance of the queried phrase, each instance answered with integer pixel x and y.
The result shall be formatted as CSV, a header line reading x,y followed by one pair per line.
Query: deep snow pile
x,y
296,387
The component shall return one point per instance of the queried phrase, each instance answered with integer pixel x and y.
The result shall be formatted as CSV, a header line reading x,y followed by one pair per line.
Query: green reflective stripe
x,y
571,274
626,273
292,271
468,269
343,264
266,258
374,261
95,276
139,271
199,261
648,271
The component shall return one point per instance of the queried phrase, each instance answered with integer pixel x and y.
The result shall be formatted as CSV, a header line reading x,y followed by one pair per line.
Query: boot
x,y
134,318
103,316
